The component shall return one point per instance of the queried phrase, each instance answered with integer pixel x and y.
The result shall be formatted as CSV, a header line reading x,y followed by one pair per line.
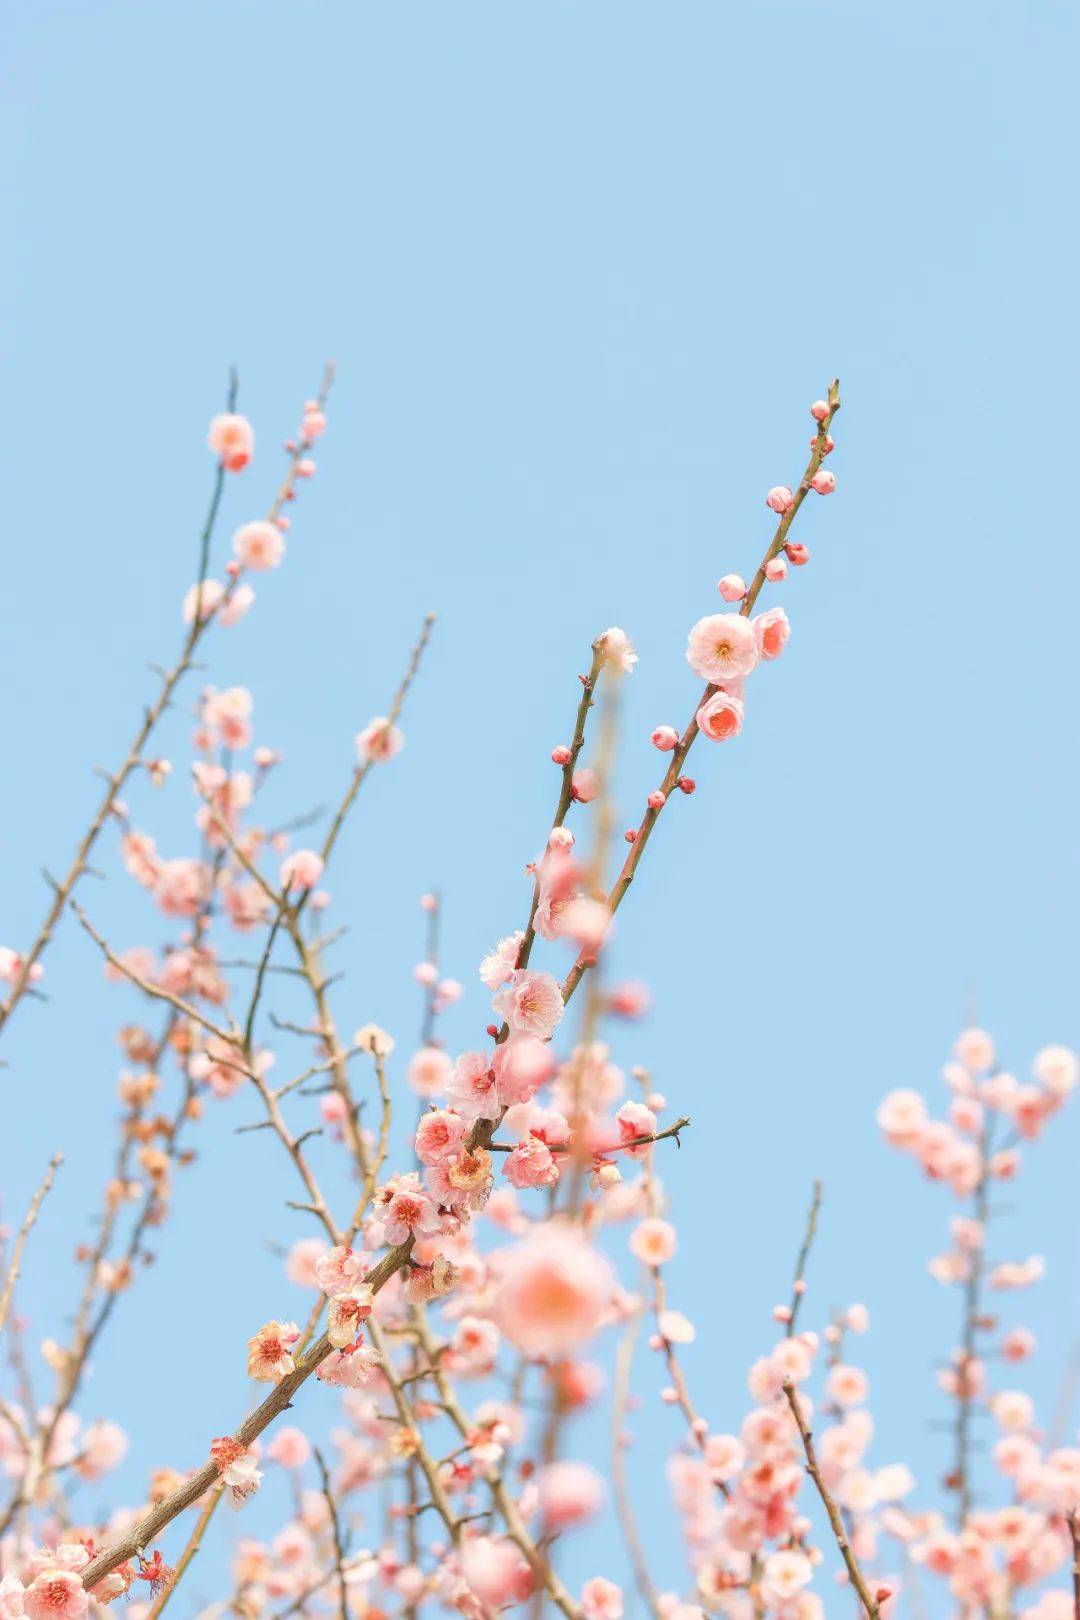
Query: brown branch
x,y
24,1232
798,1287
335,1531
870,1604
678,758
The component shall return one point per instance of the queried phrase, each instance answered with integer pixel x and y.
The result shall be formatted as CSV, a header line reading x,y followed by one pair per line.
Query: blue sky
x,y
582,269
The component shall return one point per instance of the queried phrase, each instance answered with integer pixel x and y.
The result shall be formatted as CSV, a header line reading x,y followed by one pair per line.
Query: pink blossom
x,y
472,1087
785,1574
779,498
531,1164
725,1456
300,870
653,1241
530,1002
635,1120
340,1269
902,1117
439,1135
772,631
722,648
379,741
495,1572
569,1493
498,965
601,1599
202,600
232,439
665,738
259,545
584,785
617,649
270,1352
823,482
407,1211
732,587
720,717
847,1386
554,1290
55,1594
346,1314
428,1071
289,1447
776,569
975,1050
1056,1068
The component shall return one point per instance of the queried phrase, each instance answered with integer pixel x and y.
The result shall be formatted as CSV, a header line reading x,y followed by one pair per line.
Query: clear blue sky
x,y
582,268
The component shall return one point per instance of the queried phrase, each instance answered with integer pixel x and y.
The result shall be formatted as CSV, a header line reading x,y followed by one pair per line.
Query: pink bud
x,y
823,482
560,755
669,1396
829,446
800,1287
797,553
779,498
686,784
776,569
732,587
584,786
657,800
819,410
665,738
781,1313
305,468
630,835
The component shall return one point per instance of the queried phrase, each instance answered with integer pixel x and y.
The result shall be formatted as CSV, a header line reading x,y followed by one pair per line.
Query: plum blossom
x,y
378,742
531,1003
553,1292
270,1352
722,648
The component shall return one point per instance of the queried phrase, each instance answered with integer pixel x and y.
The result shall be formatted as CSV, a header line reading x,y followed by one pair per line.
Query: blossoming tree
x,y
462,1301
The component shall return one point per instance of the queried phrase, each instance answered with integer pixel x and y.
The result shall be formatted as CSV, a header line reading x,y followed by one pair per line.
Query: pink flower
x,y
772,631
779,498
725,1456
824,482
569,1493
531,1002
1056,1068
975,1050
472,1088
495,1572
584,785
554,1290
720,717
439,1135
531,1164
902,1117
202,600
428,1071
259,545
635,1120
666,738
270,1352
601,1599
339,1270
653,1241
785,1574
732,587
290,1448
347,1312
407,1210
378,742
618,649
232,439
722,648
776,569
498,965
301,870
847,1386
55,1594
